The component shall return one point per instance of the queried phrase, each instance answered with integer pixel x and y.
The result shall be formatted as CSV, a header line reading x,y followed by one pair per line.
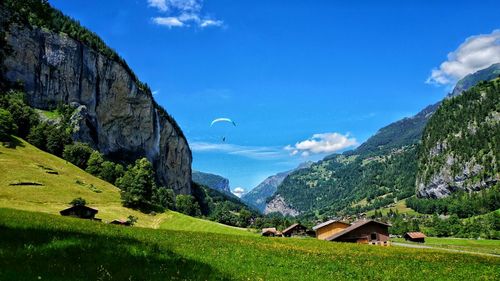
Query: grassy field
x,y
37,246
470,245
179,222
400,206
61,181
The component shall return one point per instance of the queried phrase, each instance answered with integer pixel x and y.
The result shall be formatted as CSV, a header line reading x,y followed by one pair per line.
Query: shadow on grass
x,y
39,254
12,142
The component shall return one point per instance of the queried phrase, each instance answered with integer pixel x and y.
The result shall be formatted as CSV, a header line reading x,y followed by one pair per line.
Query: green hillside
x,y
49,183
39,246
338,182
461,143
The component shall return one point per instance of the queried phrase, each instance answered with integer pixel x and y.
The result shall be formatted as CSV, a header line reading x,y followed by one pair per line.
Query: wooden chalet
x,y
363,231
123,222
295,229
80,211
271,231
415,237
329,228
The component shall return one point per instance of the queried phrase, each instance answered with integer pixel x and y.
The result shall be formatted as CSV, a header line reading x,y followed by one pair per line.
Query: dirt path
x,y
444,249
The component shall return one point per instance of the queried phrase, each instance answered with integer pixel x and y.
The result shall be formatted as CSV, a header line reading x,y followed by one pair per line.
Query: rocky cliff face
x,y
459,148
278,205
113,114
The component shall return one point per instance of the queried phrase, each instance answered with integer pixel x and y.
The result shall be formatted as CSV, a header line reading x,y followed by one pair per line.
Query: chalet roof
x,y
354,226
291,227
321,225
79,207
269,230
120,221
415,235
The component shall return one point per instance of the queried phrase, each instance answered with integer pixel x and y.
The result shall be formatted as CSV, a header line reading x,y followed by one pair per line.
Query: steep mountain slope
x,y
258,195
470,81
55,61
212,181
461,143
382,170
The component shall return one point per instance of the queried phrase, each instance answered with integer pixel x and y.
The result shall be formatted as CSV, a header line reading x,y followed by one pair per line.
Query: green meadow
x,y
36,243
462,244
38,246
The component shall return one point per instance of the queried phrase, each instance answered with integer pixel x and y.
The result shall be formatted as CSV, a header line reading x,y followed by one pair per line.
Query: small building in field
x,y
80,211
328,228
271,231
123,222
415,237
295,229
363,231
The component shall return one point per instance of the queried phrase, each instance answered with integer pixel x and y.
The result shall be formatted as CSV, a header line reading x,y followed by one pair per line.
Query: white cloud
x,y
159,4
322,143
156,92
168,21
207,23
239,191
476,53
181,13
254,152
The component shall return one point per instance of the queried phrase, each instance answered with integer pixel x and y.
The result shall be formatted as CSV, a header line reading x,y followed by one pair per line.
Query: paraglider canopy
x,y
222,120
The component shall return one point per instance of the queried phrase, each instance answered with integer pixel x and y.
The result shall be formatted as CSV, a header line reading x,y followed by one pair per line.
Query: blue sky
x,y
302,79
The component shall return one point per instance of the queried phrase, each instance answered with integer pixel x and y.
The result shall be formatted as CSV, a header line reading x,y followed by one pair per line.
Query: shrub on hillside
x,y
164,197
138,185
78,154
23,116
78,202
187,204
7,126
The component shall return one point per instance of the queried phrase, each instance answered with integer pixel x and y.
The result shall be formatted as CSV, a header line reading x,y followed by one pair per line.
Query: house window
x,y
373,236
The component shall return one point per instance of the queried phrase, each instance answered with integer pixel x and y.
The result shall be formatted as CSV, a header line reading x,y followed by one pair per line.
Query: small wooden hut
x,y
123,222
415,237
271,231
295,229
80,211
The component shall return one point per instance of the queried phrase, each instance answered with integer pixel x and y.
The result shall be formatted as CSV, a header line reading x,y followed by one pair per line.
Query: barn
x,y
329,228
415,237
295,229
123,222
363,231
271,231
80,211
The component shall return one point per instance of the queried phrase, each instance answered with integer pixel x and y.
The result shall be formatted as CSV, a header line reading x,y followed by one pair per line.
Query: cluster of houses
x,y
85,212
362,231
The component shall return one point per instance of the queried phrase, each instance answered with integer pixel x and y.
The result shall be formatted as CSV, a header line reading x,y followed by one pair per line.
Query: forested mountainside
x,y
377,173
470,81
54,60
212,181
461,143
257,197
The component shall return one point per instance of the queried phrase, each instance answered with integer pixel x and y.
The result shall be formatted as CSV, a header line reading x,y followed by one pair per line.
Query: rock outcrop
x,y
459,150
114,114
278,205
